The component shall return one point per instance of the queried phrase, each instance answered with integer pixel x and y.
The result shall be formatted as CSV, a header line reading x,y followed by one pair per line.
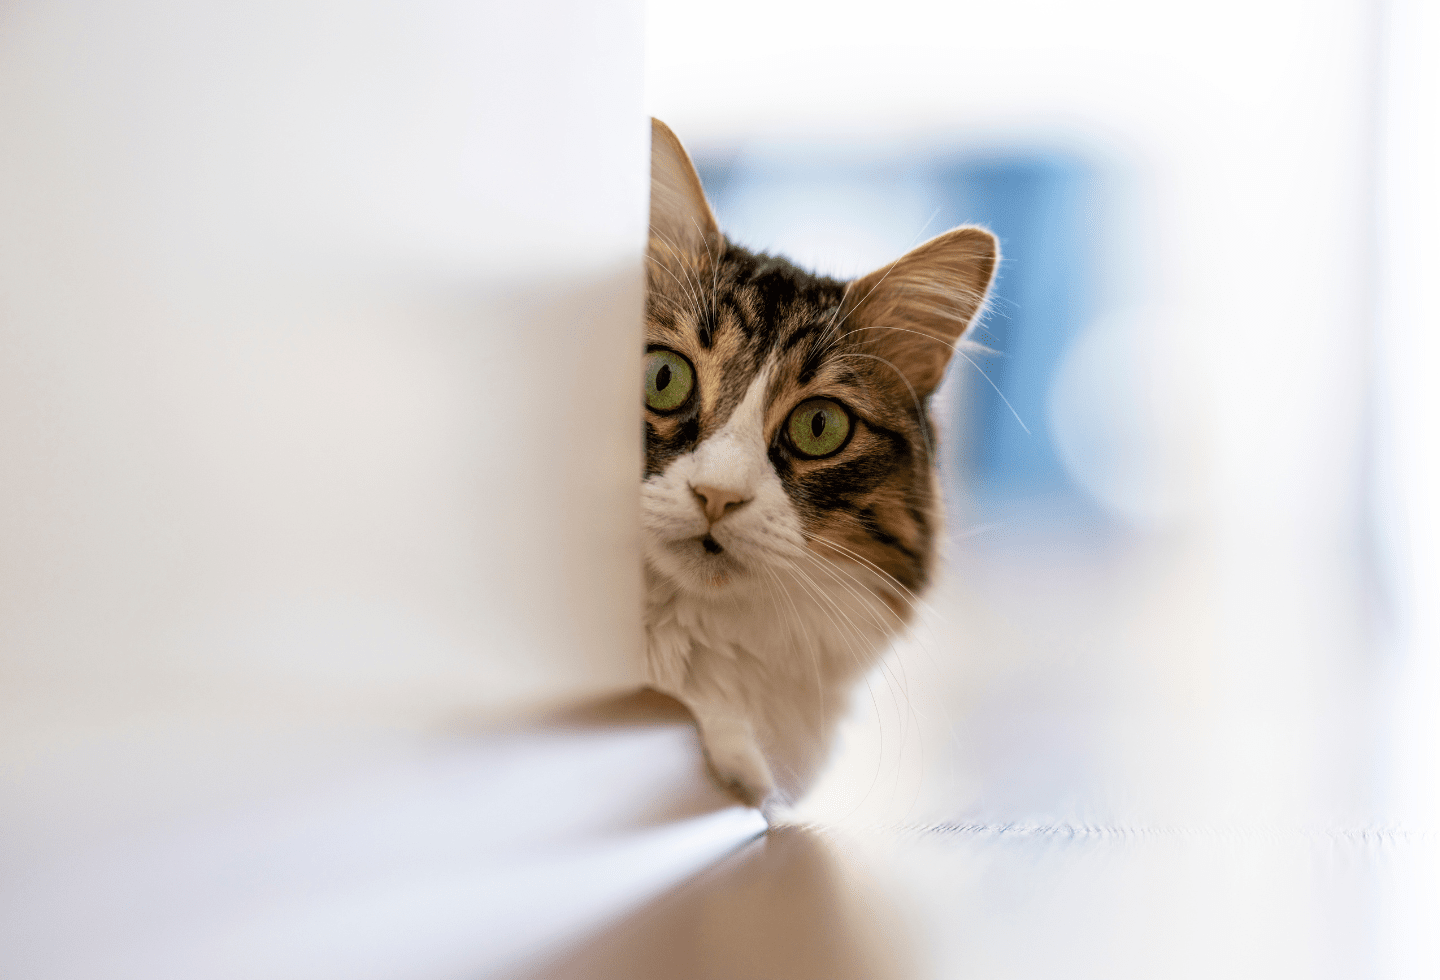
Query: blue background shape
x,y
1042,206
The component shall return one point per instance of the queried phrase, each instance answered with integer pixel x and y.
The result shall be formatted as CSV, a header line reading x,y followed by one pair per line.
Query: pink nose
x,y
716,502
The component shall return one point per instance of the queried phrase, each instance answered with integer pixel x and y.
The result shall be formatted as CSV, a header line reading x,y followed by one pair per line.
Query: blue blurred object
x,y
848,213
1040,208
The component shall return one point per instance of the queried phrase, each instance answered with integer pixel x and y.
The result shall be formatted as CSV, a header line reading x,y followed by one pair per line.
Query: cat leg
x,y
734,754
728,740
690,676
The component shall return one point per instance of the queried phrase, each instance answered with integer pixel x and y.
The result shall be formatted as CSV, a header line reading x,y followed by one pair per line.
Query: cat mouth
x,y
702,548
701,563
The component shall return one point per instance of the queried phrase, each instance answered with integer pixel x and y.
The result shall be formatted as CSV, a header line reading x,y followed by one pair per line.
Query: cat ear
x,y
913,311
681,224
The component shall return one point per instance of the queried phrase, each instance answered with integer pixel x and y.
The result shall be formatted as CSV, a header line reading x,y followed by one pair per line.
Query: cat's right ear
x,y
914,311
681,223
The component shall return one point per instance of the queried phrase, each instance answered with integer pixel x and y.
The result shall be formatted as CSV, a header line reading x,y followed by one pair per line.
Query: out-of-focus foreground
x,y
319,611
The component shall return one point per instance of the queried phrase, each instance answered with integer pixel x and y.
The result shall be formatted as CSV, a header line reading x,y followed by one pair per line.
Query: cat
x,y
790,507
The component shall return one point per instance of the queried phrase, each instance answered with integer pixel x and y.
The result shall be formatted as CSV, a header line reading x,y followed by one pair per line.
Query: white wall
x,y
317,382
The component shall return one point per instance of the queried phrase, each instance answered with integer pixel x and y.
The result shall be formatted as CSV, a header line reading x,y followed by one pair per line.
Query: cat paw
x,y
737,764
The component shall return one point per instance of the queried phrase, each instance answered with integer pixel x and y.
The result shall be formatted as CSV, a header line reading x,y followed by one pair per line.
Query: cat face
x,y
785,415
770,428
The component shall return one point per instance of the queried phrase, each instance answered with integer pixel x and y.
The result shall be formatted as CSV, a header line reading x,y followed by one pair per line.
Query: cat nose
x,y
716,502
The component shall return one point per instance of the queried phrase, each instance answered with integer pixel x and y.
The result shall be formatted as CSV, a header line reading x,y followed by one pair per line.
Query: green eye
x,y
669,379
819,427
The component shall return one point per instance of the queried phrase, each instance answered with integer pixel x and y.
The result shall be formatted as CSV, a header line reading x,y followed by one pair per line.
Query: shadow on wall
x,y
845,212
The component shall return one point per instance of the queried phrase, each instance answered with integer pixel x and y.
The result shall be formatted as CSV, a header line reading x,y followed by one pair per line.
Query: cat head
x,y
786,424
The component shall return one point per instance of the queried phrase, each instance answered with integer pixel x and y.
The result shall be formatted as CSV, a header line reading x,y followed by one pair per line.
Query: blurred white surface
x,y
303,310
317,409
469,855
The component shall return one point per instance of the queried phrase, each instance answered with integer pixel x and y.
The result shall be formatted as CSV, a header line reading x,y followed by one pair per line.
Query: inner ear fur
x,y
682,227
913,311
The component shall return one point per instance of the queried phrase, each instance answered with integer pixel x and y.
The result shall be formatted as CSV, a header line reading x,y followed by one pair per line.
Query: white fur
x,y
761,642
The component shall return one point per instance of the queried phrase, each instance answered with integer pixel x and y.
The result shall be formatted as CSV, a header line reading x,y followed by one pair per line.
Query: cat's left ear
x,y
681,223
913,311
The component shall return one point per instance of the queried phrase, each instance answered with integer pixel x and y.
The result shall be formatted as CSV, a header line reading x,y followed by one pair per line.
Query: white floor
x,y
1068,771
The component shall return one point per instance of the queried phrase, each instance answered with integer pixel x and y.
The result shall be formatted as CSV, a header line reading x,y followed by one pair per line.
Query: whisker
x,y
911,627
666,269
842,615
909,596
912,244
898,685
955,346
838,615
681,256
885,629
809,643
997,390
714,273
815,592
832,568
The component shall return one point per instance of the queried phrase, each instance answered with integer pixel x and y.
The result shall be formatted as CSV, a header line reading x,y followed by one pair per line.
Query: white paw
x,y
738,765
